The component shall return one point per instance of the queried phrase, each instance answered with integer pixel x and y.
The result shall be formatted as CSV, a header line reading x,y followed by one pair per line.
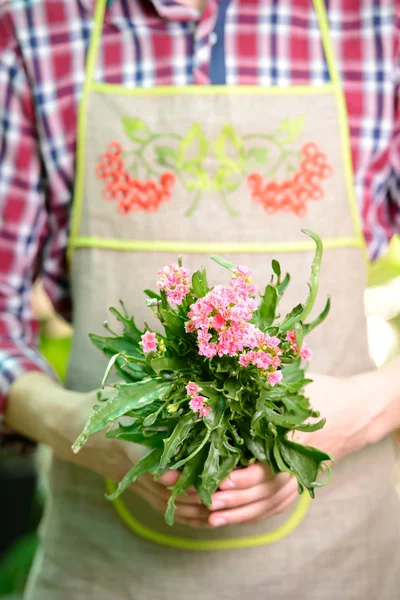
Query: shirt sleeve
x,y
23,224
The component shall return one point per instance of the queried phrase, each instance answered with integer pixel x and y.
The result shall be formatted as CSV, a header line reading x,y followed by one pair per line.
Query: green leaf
x,y
265,314
224,263
255,445
189,476
308,327
172,322
298,329
147,464
209,476
117,345
281,288
152,295
136,129
130,329
310,427
228,148
129,396
169,364
276,267
193,148
214,418
178,436
290,129
198,448
276,418
232,387
305,461
166,156
313,285
258,156
199,283
137,435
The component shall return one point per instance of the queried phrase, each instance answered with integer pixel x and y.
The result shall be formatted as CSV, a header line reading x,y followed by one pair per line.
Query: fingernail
x,y
229,484
218,522
217,505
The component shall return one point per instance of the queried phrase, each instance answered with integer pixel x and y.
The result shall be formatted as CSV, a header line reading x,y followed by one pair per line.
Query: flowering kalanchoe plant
x,y
222,387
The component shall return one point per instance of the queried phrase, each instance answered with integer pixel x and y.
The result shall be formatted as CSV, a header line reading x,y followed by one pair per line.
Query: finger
x,y
192,522
236,498
248,512
248,477
197,514
164,493
169,478
279,508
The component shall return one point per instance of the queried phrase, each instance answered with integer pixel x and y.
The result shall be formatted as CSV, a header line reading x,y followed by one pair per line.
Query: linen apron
x,y
218,170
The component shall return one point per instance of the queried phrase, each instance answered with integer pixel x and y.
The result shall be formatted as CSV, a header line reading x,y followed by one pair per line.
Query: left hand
x,y
253,494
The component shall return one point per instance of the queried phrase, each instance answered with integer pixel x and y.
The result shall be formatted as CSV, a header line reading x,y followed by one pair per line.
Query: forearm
x,y
36,406
381,390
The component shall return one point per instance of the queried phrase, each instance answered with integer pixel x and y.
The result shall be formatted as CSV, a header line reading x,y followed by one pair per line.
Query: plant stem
x,y
194,205
228,207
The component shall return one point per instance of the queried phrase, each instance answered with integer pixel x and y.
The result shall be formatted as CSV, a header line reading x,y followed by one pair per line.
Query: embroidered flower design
x,y
292,195
280,177
130,193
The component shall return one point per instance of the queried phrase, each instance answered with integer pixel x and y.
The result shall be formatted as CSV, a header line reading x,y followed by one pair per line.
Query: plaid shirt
x,y
43,44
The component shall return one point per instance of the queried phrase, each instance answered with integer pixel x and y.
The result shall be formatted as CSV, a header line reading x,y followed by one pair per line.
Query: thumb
x,y
170,478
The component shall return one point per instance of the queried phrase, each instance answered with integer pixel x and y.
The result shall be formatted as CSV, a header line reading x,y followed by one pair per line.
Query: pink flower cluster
x,y
305,352
221,320
149,342
175,281
197,403
221,317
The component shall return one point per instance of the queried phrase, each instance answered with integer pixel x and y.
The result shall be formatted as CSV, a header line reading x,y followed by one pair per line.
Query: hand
x,y
40,409
253,494
113,458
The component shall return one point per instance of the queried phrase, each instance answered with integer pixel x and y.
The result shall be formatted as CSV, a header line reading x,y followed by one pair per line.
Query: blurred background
x,y
22,494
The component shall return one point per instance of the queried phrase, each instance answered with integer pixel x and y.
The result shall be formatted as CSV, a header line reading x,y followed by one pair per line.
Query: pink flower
x,y
190,327
291,336
272,341
193,389
305,353
244,360
274,378
244,271
204,411
263,360
276,362
196,403
149,342
175,282
218,322
207,350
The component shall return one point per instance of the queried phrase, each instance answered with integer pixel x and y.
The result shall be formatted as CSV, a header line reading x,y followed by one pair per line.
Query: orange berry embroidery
x,y
131,195
292,195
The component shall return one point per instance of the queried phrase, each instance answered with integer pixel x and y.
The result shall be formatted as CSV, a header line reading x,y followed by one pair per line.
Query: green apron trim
x,y
172,541
210,247
220,90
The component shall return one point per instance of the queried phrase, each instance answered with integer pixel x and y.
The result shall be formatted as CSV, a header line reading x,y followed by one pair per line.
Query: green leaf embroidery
x,y
290,129
136,129
257,156
193,148
166,156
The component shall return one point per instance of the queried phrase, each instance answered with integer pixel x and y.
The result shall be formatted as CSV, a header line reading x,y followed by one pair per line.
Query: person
x,y
138,131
